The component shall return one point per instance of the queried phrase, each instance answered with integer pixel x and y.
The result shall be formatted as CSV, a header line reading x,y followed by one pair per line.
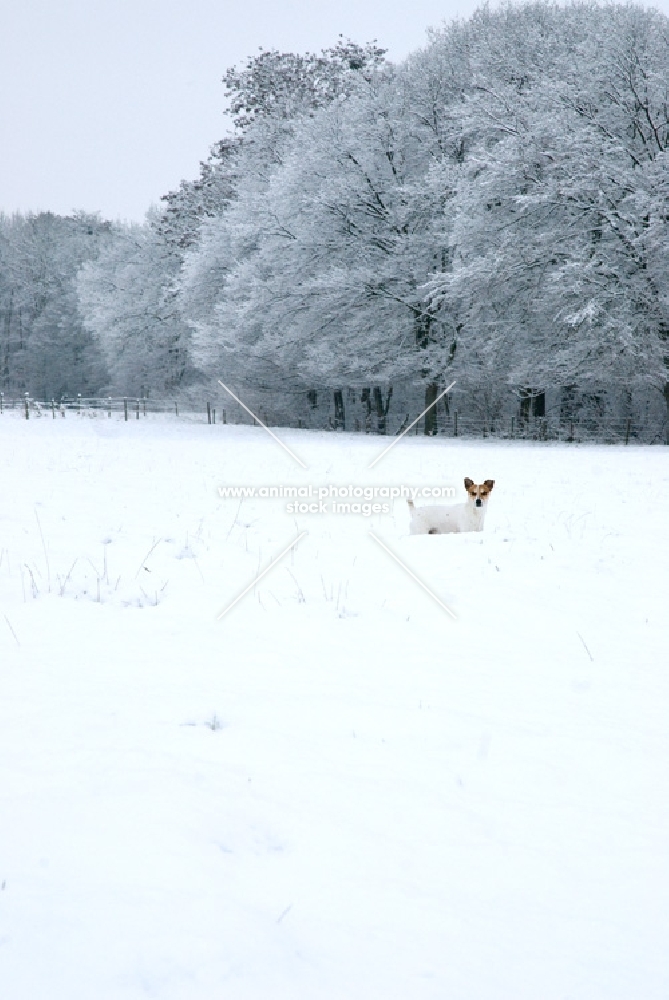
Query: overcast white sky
x,y
106,104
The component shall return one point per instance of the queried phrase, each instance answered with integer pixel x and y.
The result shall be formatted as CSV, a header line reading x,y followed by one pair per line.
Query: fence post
x,y
125,407
109,406
209,413
144,404
2,401
225,417
513,420
79,402
27,406
213,416
53,408
571,432
627,431
455,424
137,409
176,408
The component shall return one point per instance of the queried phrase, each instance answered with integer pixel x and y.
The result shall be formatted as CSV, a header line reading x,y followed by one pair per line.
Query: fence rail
x,y
132,407
454,424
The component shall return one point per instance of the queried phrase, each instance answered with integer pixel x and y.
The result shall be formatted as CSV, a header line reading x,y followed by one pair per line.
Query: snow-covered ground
x,y
336,790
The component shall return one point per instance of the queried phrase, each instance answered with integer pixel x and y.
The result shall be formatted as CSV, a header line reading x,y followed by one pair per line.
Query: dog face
x,y
479,494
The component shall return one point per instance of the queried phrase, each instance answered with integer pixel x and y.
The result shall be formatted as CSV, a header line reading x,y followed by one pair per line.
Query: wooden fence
x,y
132,407
449,423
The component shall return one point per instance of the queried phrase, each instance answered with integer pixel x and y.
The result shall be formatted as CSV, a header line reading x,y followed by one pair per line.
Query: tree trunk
x,y
431,414
567,403
381,409
339,414
366,400
539,405
4,374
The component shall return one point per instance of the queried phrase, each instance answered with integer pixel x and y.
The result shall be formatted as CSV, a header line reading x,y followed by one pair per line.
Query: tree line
x,y
492,209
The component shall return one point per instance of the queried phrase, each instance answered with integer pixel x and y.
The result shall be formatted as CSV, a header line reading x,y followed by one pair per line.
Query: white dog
x,y
467,516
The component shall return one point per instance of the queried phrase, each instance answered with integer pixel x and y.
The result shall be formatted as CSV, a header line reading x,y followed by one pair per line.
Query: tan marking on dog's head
x,y
481,492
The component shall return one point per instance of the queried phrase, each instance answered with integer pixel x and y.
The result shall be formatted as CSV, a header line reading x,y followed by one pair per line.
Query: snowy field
x,y
335,791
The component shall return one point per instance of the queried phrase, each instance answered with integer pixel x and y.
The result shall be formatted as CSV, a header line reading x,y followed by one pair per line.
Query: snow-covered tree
x,y
185,209
129,304
315,271
44,347
286,85
493,209
562,203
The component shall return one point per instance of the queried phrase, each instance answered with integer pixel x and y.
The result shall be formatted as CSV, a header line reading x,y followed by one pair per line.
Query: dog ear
x,y
489,483
468,483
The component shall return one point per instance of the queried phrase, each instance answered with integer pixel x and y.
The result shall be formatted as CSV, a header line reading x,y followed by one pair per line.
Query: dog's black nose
x,y
478,501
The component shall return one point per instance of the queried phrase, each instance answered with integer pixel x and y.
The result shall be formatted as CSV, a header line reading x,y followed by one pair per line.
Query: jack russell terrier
x,y
467,516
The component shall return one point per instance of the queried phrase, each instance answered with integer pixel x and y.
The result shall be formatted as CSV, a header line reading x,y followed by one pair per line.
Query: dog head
x,y
478,495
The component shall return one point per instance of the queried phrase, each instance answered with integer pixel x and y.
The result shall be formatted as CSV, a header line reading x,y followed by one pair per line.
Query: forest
x,y
493,210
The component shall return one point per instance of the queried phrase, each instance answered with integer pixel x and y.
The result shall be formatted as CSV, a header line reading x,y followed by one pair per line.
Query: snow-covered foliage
x,y
494,208
560,235
44,346
129,302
